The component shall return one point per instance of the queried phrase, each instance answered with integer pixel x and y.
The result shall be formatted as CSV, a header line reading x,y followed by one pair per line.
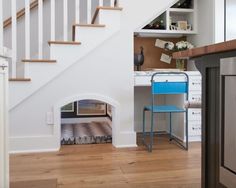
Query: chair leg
x,y
151,133
186,129
144,131
170,127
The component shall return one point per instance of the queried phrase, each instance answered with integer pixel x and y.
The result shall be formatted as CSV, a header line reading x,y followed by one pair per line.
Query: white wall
x,y
107,71
210,15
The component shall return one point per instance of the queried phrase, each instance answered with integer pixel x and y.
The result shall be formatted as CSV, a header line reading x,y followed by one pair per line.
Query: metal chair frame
x,y
181,88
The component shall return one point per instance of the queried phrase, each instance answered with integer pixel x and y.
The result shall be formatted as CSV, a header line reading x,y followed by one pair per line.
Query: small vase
x,y
180,64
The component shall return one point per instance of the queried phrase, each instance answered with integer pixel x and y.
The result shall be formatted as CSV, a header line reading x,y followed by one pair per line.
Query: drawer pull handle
x,y
194,83
196,113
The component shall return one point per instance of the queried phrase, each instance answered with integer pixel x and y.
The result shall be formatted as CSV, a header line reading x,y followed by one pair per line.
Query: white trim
x,y
89,7
65,20
40,29
100,3
52,20
4,132
77,11
27,29
35,151
33,143
127,146
1,25
13,38
115,114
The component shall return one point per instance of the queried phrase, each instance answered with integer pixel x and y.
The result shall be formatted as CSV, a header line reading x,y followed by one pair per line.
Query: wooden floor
x,y
89,166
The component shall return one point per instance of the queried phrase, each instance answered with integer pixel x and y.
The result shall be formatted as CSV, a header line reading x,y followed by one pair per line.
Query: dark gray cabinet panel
x,y
209,66
228,123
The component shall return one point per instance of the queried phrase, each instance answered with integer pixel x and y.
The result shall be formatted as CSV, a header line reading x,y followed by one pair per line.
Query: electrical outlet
x,y
49,118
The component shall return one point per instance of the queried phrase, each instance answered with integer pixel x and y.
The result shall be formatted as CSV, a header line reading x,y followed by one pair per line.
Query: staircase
x,y
55,61
40,70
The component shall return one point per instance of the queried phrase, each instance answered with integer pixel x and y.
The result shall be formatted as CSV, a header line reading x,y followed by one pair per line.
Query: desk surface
x,y
143,78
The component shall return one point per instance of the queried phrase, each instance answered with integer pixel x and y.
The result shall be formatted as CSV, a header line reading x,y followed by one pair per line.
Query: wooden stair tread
x,y
64,42
110,8
38,61
19,79
90,25
104,8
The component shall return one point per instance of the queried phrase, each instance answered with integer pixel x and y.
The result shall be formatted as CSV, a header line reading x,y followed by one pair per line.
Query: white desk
x,y
143,94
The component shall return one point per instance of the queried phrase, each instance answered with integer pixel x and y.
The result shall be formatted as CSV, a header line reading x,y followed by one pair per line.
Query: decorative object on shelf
x,y
158,23
182,25
170,46
180,64
139,59
180,46
166,58
183,4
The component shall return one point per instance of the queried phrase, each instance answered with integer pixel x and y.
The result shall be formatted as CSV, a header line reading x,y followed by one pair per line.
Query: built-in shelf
x,y
174,21
181,10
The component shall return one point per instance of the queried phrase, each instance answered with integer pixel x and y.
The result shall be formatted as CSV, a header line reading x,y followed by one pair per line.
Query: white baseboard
x,y
195,138
127,146
34,151
33,144
49,143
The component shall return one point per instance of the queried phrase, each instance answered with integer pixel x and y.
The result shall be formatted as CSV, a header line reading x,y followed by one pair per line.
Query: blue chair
x,y
160,88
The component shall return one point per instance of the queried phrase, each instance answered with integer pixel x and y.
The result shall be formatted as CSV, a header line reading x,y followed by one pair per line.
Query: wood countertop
x,y
205,50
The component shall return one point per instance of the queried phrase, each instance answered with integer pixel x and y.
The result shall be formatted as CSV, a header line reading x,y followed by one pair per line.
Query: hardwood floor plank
x,y
102,165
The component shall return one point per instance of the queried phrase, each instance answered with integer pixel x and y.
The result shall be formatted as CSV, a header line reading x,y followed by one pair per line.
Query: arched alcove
x,y
115,114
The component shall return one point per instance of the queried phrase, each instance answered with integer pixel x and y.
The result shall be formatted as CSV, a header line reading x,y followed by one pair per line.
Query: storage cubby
x,y
178,19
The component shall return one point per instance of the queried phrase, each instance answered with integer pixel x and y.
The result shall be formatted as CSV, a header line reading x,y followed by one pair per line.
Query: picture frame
x,y
91,108
68,108
182,25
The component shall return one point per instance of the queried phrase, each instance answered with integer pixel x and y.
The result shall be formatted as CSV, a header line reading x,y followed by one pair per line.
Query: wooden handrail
x,y
20,14
34,4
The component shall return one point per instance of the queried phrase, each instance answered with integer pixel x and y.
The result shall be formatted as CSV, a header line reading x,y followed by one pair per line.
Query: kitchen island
x,y
218,68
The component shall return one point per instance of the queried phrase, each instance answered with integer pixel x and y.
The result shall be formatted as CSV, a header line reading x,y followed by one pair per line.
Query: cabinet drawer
x,y
195,83
194,114
194,128
195,96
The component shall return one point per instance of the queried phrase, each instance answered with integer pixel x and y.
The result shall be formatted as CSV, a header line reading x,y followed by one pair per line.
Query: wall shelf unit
x,y
175,21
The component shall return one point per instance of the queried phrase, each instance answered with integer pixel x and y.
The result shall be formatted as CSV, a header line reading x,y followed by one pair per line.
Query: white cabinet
x,y
194,115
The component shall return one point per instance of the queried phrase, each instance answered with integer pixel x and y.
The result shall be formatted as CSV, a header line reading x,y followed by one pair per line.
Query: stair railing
x,y
32,43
